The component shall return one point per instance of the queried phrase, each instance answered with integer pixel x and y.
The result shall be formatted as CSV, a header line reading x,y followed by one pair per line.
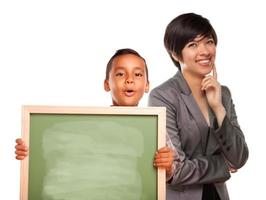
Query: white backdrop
x,y
54,52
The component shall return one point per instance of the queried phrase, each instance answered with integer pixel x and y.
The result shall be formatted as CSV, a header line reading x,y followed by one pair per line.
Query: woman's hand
x,y
231,169
213,94
212,90
21,149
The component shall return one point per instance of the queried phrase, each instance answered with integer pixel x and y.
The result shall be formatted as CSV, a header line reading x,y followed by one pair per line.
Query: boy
x,y
127,80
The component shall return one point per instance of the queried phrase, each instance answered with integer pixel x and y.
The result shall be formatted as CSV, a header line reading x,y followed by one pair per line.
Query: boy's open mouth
x,y
129,93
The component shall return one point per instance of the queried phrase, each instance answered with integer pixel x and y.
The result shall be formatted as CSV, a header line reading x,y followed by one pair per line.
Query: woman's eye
x,y
210,41
192,45
138,74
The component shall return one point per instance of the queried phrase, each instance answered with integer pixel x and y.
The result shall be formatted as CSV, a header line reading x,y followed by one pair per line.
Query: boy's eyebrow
x,y
135,68
119,67
139,68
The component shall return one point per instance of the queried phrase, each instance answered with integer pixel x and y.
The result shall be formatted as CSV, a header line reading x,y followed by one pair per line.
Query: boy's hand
x,y
164,158
21,149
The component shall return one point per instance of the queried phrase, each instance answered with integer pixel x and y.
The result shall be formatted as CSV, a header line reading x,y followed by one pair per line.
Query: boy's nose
x,y
129,80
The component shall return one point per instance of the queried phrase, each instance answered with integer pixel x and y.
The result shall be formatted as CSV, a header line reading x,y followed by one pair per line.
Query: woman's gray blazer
x,y
204,152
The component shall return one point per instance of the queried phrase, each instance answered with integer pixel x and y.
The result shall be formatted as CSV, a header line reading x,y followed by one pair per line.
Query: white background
x,y
55,52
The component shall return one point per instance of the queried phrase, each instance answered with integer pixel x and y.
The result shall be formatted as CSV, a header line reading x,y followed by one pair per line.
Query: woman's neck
x,y
194,82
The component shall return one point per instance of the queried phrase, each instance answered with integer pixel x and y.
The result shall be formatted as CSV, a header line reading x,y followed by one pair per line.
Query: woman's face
x,y
198,56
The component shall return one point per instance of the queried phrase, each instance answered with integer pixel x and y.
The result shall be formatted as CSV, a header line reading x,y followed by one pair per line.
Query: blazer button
x,y
227,148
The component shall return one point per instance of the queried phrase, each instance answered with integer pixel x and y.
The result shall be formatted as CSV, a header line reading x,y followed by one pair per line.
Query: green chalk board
x,y
82,153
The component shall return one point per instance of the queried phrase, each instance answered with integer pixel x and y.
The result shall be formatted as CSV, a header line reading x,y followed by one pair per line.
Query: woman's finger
x,y
214,71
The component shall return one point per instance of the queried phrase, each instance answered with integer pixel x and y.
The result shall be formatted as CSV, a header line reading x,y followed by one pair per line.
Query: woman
x,y
201,119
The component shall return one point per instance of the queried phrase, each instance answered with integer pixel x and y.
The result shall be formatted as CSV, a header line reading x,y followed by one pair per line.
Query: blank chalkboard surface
x,y
83,153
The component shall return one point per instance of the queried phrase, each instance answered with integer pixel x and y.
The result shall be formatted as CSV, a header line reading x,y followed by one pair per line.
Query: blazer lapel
x,y
194,109
212,118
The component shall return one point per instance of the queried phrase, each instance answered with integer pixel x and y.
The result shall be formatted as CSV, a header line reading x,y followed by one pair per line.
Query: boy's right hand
x,y
21,149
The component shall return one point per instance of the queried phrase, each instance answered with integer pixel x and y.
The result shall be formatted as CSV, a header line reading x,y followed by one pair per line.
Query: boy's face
x,y
127,80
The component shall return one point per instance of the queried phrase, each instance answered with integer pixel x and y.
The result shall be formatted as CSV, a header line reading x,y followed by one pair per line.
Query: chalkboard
x,y
97,153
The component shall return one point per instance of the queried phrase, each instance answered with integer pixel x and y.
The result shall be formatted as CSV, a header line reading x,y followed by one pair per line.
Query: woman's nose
x,y
203,49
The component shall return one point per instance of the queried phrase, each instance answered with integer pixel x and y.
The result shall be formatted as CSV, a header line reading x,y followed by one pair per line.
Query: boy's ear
x,y
106,86
147,87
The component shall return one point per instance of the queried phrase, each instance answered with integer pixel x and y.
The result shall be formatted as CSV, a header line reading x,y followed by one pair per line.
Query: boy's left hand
x,y
164,158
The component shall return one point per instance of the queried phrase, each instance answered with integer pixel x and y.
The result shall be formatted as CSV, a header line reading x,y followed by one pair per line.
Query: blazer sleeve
x,y
199,170
230,136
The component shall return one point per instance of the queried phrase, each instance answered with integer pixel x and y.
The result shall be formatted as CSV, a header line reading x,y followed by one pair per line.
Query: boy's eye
x,y
138,74
119,74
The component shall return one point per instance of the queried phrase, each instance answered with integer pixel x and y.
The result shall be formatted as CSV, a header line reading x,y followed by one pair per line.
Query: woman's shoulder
x,y
226,96
226,91
170,85
166,93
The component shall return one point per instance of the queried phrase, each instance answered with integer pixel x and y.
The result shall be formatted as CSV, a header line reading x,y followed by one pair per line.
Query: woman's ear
x,y
106,86
175,57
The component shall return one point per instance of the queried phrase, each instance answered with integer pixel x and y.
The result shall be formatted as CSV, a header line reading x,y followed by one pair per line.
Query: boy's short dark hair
x,y
121,52
183,29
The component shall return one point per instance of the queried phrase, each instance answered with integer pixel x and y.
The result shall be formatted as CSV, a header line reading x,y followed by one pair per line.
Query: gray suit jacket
x,y
201,150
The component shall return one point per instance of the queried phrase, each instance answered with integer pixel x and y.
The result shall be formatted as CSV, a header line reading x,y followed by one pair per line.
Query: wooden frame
x,y
27,111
